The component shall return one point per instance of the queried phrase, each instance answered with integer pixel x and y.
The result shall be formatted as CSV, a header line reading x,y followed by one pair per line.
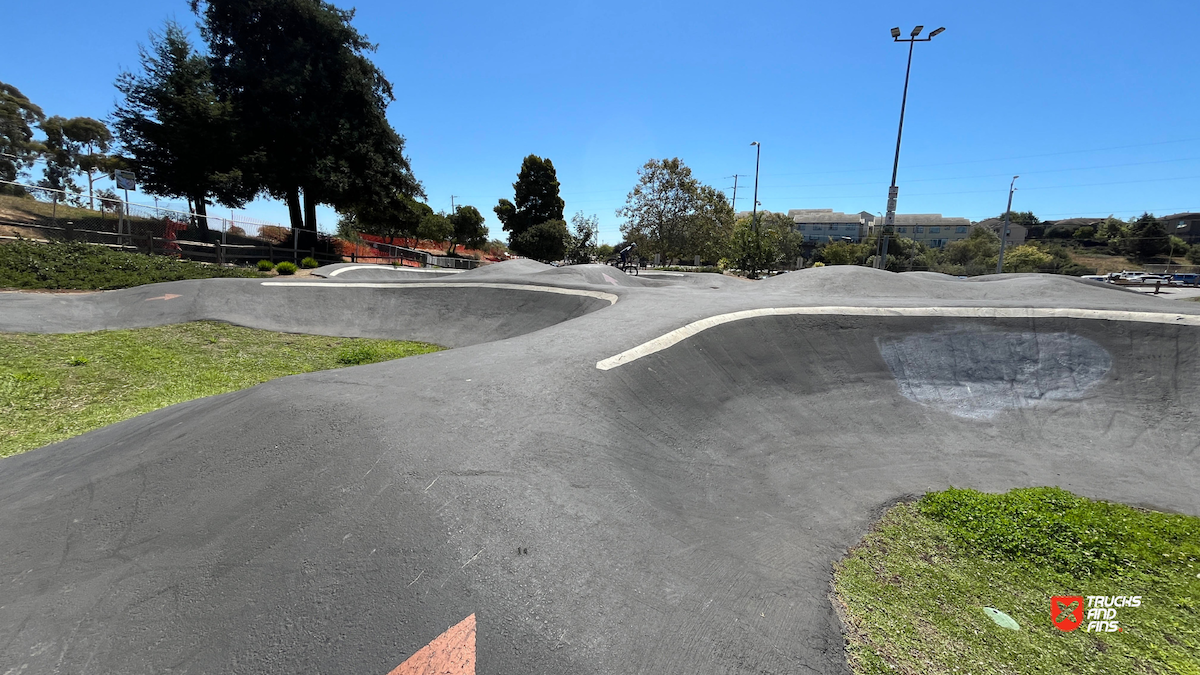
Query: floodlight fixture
x,y
753,142
917,31
896,32
937,31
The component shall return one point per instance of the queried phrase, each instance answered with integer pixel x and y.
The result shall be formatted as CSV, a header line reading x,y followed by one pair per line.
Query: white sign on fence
x,y
125,180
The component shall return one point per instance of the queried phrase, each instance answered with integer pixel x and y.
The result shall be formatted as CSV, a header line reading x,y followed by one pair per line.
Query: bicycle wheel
x,y
630,268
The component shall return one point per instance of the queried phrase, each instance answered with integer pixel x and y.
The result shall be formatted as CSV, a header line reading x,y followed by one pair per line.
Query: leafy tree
x,y
1147,237
581,244
671,213
1027,258
435,227
754,249
70,147
1193,255
843,253
467,228
976,254
1112,228
536,201
659,207
179,137
710,228
1178,247
605,251
546,241
18,117
1085,233
310,106
59,153
396,216
92,139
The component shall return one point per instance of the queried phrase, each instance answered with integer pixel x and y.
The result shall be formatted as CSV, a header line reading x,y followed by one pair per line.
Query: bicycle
x,y
628,267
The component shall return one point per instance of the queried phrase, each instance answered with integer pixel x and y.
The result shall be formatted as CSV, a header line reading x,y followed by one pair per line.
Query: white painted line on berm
x,y
612,299
680,334
395,269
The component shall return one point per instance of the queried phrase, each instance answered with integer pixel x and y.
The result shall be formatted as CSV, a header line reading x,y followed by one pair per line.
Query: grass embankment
x,y
913,592
75,265
30,210
53,387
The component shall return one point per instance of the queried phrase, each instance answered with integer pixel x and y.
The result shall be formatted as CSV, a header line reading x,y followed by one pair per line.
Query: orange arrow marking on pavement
x,y
168,296
451,653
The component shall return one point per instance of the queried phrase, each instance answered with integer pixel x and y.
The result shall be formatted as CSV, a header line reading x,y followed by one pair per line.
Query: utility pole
x,y
754,213
735,182
889,220
452,204
1004,228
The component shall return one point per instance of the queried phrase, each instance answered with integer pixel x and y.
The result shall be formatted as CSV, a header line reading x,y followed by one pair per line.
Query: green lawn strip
x,y
76,265
53,387
911,593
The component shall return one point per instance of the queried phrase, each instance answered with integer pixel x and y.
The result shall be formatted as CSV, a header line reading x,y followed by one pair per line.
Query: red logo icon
x,y
1066,611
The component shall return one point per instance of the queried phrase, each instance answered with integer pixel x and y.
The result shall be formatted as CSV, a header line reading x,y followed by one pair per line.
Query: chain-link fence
x,y
34,212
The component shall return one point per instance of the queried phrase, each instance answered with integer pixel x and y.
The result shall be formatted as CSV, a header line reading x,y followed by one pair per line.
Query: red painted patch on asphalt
x,y
451,653
168,296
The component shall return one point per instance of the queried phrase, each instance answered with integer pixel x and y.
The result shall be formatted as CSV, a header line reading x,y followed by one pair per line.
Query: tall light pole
x,y
754,212
1004,230
889,221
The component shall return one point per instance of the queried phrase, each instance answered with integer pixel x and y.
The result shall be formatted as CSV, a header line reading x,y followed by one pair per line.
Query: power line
x,y
997,159
996,175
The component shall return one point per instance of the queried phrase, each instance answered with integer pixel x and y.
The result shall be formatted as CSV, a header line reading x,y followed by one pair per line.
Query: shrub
x,y
237,231
286,267
353,356
265,265
310,263
274,234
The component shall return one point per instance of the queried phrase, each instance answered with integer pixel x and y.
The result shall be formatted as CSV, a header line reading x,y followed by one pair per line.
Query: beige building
x,y
823,225
1016,233
931,229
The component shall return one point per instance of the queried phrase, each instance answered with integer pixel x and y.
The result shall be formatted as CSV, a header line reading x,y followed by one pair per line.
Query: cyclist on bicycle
x,y
626,252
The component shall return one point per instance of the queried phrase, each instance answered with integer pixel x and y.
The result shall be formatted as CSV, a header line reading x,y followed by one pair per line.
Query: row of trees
x,y
283,101
71,147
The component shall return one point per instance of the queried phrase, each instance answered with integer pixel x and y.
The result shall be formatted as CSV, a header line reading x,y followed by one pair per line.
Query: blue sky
x,y
1094,104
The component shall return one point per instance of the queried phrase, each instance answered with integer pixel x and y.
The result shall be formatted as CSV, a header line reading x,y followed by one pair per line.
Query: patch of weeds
x,y
78,361
358,355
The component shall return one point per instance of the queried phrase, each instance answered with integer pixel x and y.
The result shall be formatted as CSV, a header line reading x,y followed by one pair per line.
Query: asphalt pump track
x,y
606,474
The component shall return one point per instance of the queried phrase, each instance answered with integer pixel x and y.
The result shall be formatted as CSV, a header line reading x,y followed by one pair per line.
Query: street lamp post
x,y
889,221
754,211
1004,229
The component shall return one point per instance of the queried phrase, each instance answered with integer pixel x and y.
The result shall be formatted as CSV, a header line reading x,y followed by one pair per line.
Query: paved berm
x,y
604,492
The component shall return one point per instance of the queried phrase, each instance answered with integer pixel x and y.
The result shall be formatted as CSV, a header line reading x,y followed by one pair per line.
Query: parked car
x,y
1185,279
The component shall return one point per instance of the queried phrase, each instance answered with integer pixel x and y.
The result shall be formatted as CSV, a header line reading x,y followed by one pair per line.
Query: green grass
x,y
912,592
75,265
53,387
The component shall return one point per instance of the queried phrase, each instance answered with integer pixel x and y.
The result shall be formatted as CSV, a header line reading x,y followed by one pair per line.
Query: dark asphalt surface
x,y
681,511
